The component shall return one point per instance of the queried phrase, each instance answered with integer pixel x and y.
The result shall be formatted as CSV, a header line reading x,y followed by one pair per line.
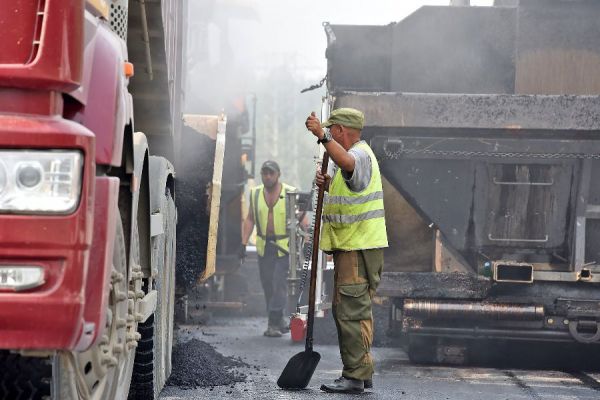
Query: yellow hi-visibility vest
x,y
260,209
354,220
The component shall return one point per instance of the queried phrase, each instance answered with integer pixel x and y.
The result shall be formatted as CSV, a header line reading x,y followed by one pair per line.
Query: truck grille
x,y
118,18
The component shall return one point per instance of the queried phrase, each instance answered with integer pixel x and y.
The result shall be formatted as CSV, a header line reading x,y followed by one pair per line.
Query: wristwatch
x,y
326,137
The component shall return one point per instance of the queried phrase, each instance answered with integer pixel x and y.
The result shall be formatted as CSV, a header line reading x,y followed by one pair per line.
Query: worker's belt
x,y
272,237
272,242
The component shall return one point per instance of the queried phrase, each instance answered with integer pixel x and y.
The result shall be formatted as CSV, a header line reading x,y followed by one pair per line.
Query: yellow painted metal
x,y
100,8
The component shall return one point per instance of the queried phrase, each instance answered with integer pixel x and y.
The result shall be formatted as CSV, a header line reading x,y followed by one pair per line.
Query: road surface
x,y
395,377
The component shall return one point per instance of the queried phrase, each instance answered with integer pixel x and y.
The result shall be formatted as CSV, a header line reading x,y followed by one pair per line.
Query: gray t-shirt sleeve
x,y
359,179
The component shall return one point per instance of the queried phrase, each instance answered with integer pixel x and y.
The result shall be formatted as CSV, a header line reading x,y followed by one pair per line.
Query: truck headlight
x,y
40,181
19,278
29,175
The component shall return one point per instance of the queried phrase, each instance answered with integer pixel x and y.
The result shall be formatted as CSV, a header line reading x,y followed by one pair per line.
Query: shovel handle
x,y
315,259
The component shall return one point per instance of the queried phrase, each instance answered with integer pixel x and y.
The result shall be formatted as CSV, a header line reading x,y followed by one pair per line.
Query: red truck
x,y
87,214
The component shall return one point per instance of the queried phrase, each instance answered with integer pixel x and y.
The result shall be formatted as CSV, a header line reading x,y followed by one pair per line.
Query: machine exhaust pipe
x,y
424,309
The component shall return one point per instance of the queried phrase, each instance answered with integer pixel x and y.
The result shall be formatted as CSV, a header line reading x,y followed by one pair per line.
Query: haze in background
x,y
271,49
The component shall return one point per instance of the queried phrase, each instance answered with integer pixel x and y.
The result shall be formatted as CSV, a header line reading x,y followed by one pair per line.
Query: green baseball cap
x,y
348,117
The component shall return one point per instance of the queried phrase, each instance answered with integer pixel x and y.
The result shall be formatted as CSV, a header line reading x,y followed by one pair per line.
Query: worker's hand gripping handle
x,y
315,258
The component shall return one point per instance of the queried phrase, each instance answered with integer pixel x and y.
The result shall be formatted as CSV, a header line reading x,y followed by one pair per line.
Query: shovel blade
x,y
299,370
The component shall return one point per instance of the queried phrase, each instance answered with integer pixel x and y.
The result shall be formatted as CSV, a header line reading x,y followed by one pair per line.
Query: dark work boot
x,y
272,332
273,329
368,383
284,325
344,385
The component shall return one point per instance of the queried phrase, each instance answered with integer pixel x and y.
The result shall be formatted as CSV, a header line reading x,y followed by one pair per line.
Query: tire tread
x,y
24,378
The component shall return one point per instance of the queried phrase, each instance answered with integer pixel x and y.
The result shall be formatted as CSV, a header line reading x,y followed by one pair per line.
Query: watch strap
x,y
326,138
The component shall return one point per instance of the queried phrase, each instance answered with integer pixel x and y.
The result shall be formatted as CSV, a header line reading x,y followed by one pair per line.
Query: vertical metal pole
x,y
326,105
146,39
292,229
314,262
580,218
253,165
292,232
319,293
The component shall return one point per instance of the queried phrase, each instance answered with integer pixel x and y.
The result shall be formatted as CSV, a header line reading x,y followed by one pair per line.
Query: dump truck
x,y
485,124
87,195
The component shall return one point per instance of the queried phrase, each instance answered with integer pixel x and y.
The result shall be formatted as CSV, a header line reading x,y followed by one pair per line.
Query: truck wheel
x,y
24,378
104,371
153,358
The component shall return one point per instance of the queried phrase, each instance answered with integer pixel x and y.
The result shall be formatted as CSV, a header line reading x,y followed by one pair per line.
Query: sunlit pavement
x,y
395,377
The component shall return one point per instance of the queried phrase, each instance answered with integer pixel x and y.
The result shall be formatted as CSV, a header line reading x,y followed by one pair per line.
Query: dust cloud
x,y
269,50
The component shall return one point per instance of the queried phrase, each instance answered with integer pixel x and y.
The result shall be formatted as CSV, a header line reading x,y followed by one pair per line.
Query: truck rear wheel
x,y
153,358
104,371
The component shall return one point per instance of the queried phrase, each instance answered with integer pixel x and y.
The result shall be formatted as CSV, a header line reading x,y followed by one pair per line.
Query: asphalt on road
x,y
395,376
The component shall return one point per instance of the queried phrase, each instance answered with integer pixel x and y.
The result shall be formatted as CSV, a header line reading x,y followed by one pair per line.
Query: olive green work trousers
x,y
356,275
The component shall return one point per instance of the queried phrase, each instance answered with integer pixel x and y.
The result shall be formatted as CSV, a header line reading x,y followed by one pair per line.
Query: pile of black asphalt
x,y
197,364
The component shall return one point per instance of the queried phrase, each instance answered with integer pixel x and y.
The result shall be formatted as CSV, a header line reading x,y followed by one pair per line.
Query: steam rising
x,y
272,49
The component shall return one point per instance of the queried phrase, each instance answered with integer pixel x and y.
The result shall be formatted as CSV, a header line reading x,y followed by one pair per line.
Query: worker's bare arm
x,y
340,156
336,152
247,227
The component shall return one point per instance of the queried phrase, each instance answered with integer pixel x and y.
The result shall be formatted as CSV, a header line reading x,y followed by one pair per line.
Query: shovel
x,y
300,368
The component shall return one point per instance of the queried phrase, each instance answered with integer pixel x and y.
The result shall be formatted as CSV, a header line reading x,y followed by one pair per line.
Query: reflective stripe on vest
x,y
349,219
354,220
354,200
260,210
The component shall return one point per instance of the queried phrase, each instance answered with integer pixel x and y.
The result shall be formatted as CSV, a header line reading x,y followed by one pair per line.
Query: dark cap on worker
x,y
271,165
348,117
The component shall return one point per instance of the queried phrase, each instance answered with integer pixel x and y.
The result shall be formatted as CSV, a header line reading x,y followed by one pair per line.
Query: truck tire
x,y
153,359
24,378
104,371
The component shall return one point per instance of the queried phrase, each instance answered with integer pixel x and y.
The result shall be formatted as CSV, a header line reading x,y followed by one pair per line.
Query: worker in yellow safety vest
x,y
354,232
268,212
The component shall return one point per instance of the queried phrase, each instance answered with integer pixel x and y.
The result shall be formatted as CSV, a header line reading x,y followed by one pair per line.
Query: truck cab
x,y
87,213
